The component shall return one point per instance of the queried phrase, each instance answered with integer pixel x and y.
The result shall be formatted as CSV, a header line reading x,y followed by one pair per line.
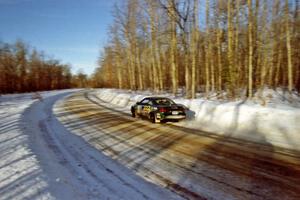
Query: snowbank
x,y
274,123
21,175
41,159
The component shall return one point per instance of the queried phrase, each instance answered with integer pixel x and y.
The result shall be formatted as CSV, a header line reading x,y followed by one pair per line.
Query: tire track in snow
x,y
85,171
242,162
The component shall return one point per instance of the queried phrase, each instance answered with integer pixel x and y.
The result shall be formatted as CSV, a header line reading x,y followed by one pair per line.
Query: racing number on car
x,y
147,109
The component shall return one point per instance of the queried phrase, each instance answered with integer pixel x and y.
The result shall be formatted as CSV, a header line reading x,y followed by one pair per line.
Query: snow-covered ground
x,y
40,159
271,117
21,175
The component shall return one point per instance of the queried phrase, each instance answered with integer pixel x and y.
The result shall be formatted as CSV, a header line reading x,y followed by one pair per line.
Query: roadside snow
x,y
272,117
40,159
21,176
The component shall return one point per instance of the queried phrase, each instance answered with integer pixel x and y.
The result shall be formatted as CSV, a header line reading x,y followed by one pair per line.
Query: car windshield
x,y
163,102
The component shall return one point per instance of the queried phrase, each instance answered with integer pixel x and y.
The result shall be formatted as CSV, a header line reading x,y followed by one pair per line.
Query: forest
x,y
231,47
25,69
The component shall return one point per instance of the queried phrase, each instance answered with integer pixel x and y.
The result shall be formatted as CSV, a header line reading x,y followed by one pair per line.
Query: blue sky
x,y
73,31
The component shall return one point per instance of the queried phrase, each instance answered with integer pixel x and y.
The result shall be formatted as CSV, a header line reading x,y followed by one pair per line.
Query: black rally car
x,y
158,109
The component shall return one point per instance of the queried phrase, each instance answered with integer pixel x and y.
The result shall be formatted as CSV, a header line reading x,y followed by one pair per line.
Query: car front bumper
x,y
174,117
160,116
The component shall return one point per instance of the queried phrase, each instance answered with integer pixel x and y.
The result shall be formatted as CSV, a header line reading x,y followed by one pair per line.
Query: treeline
x,y
23,69
203,46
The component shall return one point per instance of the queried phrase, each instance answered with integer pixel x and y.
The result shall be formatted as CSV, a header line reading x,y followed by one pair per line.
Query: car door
x,y
145,108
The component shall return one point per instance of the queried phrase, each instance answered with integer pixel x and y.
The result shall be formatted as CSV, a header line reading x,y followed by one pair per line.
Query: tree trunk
x,y
288,46
207,53
195,36
236,45
173,51
220,68
230,50
250,62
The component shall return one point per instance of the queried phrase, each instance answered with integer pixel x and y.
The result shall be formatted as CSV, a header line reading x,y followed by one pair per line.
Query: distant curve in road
x,y
75,170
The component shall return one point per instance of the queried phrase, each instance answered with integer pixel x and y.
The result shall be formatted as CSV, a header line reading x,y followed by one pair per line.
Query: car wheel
x,y
154,119
133,113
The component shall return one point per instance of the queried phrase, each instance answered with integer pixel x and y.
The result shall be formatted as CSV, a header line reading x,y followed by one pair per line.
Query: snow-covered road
x,y
73,145
191,163
40,159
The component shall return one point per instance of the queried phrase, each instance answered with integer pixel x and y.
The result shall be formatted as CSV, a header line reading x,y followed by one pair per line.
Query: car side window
x,y
145,101
164,102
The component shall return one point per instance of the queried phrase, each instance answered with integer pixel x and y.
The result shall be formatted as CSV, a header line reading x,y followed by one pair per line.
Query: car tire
x,y
154,119
133,113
